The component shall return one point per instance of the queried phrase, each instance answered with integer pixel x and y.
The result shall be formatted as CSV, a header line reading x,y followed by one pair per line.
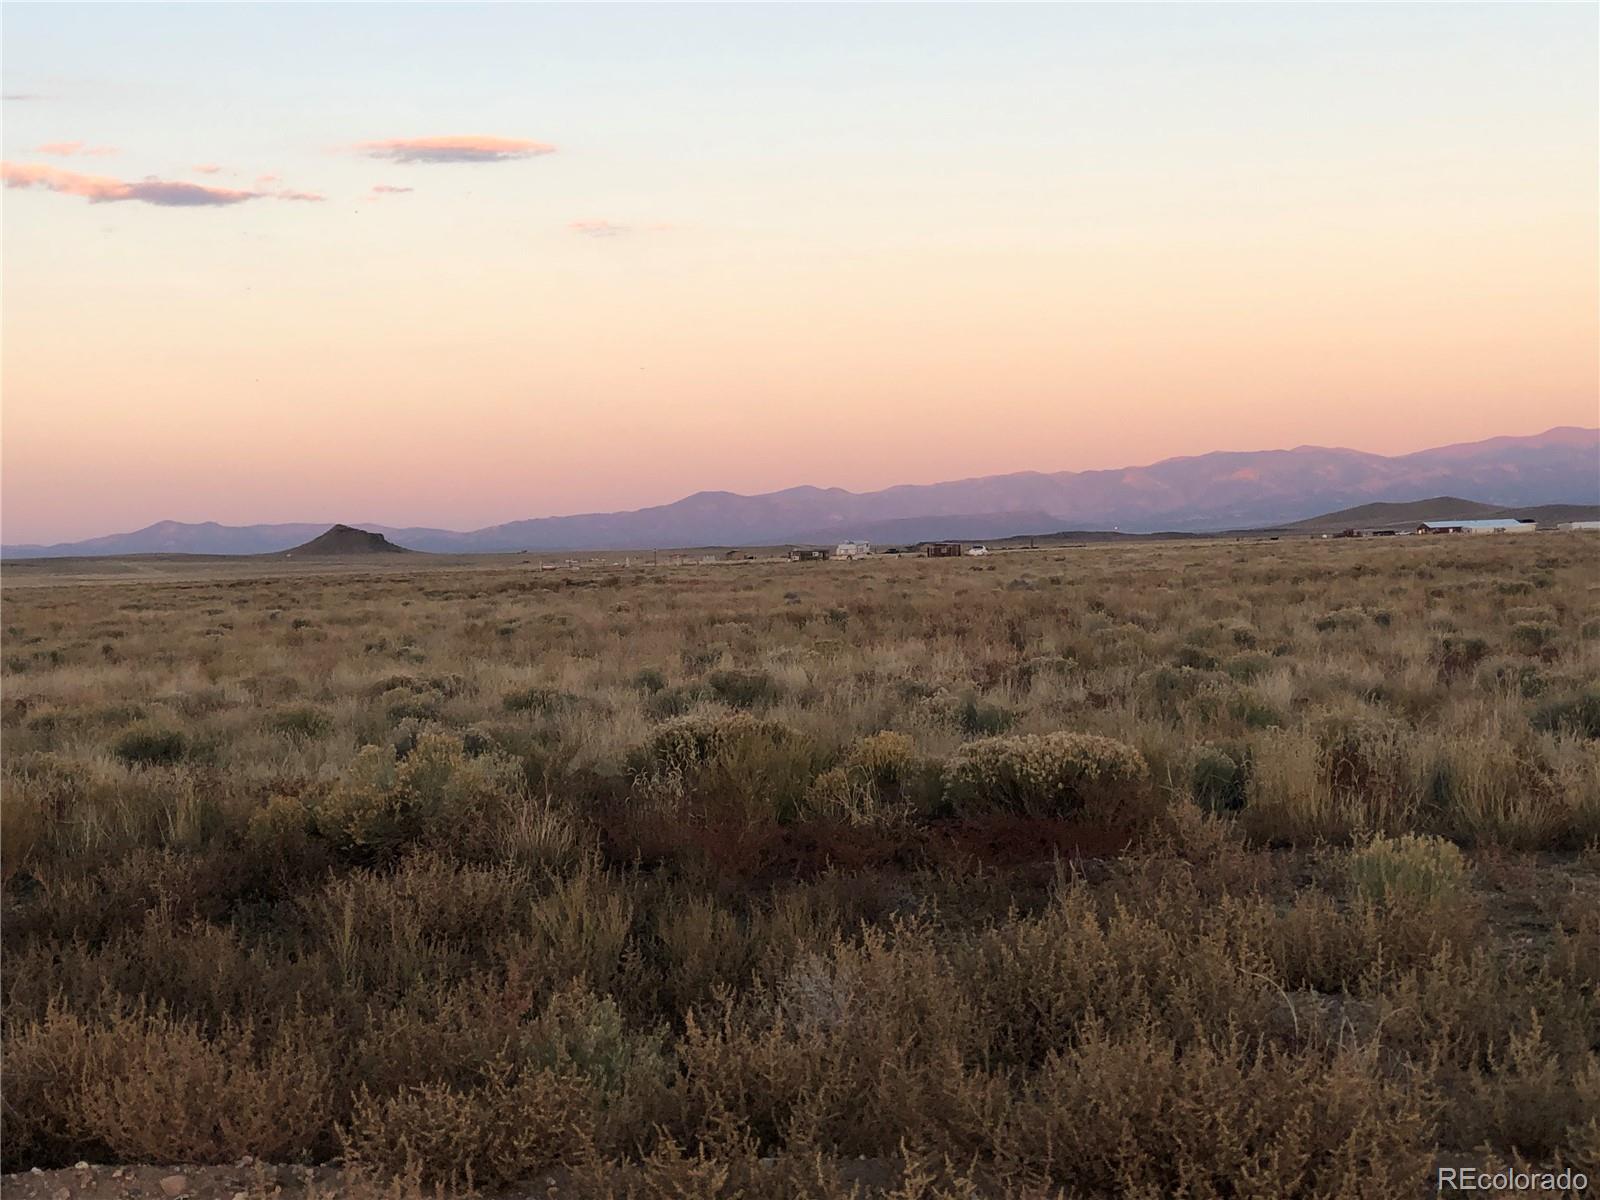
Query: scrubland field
x,y
1199,870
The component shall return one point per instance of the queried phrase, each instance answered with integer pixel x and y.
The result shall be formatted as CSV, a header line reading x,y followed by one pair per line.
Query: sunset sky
x,y
457,266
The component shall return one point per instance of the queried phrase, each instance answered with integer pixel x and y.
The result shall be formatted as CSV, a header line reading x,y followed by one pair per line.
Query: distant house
x,y
852,550
1489,526
807,554
1580,525
942,549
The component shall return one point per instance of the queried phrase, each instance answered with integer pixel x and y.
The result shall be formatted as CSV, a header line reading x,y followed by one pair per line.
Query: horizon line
x,y
32,545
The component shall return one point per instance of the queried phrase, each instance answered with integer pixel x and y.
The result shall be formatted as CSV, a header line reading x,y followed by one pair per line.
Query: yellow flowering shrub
x,y
1048,775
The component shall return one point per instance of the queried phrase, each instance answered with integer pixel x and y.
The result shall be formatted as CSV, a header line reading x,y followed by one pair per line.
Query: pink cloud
x,y
387,189
68,149
94,188
99,189
263,180
469,148
207,168
599,229
316,197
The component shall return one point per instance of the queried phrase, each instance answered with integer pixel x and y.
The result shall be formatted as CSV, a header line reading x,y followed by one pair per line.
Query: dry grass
x,y
1033,876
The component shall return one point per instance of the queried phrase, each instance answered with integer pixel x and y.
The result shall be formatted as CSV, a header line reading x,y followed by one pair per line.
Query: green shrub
x,y
280,828
882,779
302,721
478,740
1042,666
840,794
977,718
743,689
1195,658
1254,712
672,702
1578,714
885,758
1177,691
1245,667
1413,868
1362,755
1340,618
404,736
649,679
437,792
585,1034
1530,612
403,704
1517,674
148,745
1531,637
1218,781
543,700
1048,775
1456,655
687,743
762,767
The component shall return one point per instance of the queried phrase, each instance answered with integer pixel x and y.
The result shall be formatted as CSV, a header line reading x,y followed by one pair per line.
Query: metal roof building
x,y
1496,525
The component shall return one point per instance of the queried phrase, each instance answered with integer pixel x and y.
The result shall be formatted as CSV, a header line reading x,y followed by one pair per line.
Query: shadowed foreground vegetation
x,y
1201,870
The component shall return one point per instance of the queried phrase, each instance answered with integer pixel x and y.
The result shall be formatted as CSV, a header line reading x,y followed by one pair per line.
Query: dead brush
x,y
511,1124
812,938
151,1088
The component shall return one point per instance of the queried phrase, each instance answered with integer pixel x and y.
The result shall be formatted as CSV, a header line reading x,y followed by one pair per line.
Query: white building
x,y
852,550
1490,526
1580,525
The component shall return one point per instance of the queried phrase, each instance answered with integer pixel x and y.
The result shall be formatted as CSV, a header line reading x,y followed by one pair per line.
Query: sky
x,y
454,266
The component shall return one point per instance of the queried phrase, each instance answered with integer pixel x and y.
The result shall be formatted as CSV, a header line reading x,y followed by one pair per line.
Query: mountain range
x,y
1217,491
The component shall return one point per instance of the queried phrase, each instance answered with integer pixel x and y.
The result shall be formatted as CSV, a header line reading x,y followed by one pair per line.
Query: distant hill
x,y
964,527
181,537
343,539
1437,508
1554,514
1444,508
1226,490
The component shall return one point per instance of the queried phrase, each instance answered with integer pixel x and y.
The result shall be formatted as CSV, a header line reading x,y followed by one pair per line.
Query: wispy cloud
x,y
596,228
388,189
68,149
315,197
207,168
599,229
99,189
470,148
